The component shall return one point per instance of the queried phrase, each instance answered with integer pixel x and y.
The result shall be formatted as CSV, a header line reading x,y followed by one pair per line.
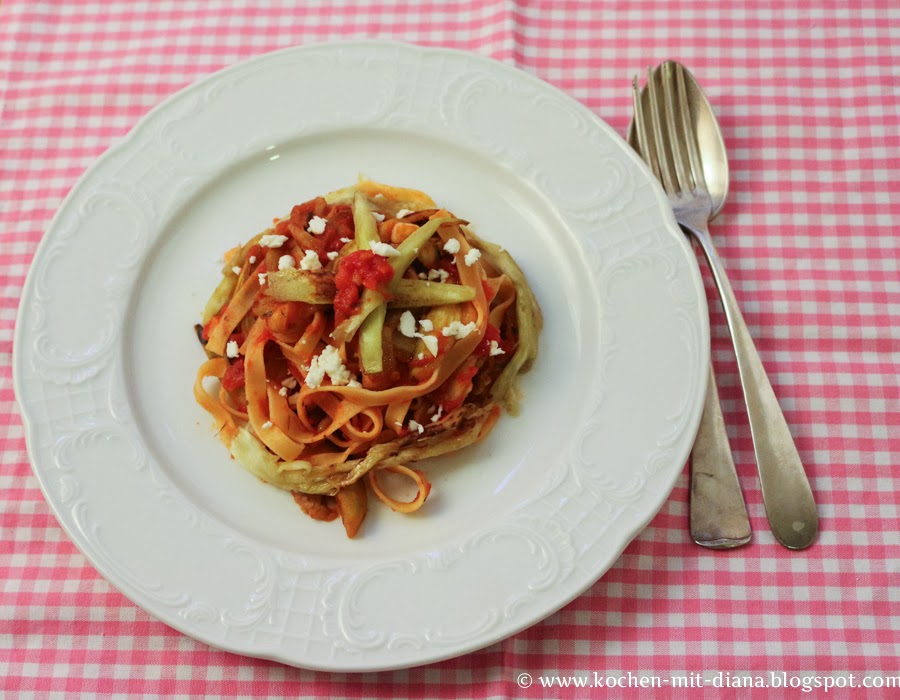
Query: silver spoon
x,y
693,131
718,514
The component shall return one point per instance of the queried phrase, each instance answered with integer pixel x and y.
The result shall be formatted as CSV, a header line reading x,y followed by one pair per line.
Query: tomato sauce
x,y
491,333
233,378
360,269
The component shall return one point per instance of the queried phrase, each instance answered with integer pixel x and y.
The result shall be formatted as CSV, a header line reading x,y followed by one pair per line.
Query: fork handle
x,y
787,496
718,513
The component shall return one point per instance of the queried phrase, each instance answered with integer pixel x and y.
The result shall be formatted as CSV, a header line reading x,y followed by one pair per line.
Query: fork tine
x,y
693,148
661,155
675,125
648,153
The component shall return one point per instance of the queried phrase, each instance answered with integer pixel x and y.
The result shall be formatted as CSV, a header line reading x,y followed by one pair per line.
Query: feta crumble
x,y
345,239
310,261
472,256
236,270
272,240
231,349
496,349
328,362
408,324
317,225
252,259
413,425
383,249
378,217
458,330
437,415
438,274
262,278
426,325
431,343
282,391
287,262
332,255
451,246
267,425
403,212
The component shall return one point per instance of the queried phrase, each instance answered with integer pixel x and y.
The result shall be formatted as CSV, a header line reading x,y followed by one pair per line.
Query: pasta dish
x,y
366,331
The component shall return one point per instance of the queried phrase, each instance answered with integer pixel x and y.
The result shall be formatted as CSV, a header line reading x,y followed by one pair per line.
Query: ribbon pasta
x,y
367,330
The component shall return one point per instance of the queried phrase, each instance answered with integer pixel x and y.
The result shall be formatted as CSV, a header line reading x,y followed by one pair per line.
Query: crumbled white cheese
x,y
496,349
437,415
332,255
314,375
272,240
431,343
451,246
472,256
383,249
408,324
416,426
378,217
438,274
345,240
290,383
421,355
328,362
458,330
267,425
423,275
403,212
282,391
287,262
310,261
426,325
262,278
354,383
231,349
236,270
317,225
252,259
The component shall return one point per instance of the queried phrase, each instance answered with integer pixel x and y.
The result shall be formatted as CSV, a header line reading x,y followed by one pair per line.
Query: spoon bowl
x,y
711,144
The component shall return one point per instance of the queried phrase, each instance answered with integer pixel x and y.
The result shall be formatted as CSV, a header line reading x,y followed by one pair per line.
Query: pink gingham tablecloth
x,y
809,101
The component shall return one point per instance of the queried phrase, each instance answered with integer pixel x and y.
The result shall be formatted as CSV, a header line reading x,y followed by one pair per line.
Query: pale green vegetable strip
x,y
530,321
317,287
223,291
370,318
410,247
310,286
371,300
370,346
411,293
364,222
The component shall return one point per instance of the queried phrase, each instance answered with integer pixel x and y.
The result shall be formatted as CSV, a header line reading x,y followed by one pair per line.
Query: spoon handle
x,y
788,498
718,513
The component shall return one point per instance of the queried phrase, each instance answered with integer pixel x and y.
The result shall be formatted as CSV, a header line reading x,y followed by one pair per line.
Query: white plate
x,y
105,357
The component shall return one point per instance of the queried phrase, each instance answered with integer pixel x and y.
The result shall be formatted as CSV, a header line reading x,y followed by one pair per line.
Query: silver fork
x,y
673,155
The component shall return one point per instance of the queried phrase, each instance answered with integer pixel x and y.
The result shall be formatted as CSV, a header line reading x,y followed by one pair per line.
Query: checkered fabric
x,y
809,101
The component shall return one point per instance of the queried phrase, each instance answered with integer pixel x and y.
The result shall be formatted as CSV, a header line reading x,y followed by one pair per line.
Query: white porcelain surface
x,y
105,358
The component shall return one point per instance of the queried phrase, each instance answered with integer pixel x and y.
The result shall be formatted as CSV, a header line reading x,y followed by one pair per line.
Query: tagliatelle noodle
x,y
317,435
